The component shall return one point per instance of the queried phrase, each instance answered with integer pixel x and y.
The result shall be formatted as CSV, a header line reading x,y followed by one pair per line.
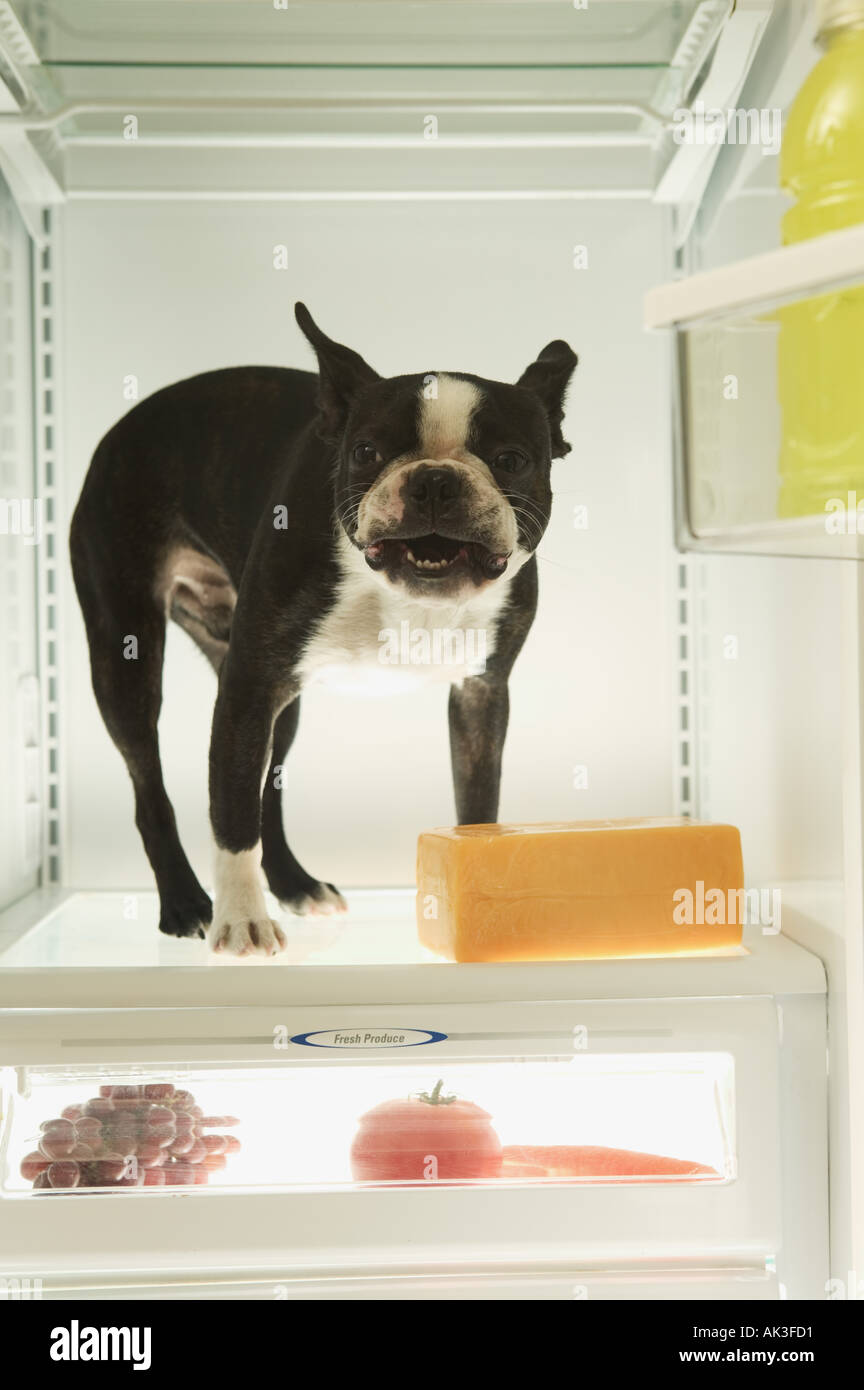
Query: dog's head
x,y
443,478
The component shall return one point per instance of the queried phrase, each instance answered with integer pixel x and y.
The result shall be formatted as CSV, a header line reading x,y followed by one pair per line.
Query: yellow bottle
x,y
821,341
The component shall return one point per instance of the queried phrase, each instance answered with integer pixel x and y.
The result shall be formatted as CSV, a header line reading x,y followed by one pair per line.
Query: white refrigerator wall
x,y
21,532
770,711
160,290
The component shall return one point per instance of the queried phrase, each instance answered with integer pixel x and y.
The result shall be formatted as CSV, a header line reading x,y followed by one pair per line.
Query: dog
x,y
285,520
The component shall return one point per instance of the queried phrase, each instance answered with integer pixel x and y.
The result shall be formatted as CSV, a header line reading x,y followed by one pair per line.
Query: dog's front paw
x,y
241,923
185,913
246,936
318,900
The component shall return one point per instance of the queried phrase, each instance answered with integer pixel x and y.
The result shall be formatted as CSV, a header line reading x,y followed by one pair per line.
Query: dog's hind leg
x,y
287,879
126,653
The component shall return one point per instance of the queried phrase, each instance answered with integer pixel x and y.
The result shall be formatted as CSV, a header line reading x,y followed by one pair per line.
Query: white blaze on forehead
x,y
444,427
445,418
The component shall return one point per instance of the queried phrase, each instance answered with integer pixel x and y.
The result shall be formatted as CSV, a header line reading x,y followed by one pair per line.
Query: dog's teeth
x,y
430,564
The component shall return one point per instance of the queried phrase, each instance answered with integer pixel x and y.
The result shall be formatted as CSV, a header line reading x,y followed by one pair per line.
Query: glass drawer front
x,y
646,1119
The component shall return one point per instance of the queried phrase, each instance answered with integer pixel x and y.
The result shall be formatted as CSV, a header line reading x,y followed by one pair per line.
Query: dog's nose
x,y
435,485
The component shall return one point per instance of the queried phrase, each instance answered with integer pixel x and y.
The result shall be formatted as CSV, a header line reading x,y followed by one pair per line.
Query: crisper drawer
x,y
286,1173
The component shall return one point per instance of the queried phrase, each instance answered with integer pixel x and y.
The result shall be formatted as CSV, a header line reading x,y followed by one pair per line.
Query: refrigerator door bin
x,y
749,334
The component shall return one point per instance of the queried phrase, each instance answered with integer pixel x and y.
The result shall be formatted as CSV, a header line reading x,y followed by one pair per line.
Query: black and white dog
x,y
284,521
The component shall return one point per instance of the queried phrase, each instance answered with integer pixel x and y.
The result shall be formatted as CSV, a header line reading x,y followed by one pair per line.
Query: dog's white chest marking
x,y
374,642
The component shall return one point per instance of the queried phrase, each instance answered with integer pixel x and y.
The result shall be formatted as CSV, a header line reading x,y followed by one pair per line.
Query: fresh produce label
x,y
368,1037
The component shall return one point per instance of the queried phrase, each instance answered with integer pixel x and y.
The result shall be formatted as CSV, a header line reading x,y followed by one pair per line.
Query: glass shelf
x,y
330,33
349,104
211,68
102,928
120,929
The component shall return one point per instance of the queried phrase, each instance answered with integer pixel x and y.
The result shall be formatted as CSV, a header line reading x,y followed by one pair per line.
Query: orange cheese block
x,y
572,891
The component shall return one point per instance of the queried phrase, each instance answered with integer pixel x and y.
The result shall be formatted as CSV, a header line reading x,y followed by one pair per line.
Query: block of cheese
x,y
573,891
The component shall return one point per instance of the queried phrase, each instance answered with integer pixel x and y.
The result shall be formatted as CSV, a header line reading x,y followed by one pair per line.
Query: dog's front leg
x,y
239,748
479,708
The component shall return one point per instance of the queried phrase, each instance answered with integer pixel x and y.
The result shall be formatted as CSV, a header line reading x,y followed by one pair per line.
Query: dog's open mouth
x,y
434,557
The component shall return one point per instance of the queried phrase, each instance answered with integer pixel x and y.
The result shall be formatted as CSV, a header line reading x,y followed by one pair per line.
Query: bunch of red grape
x,y
130,1136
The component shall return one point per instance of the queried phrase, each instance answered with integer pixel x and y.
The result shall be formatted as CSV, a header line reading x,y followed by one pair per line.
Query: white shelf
x,y
759,284
78,951
803,538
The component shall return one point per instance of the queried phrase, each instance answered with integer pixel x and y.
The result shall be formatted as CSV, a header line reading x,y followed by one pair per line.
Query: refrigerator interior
x,y
264,165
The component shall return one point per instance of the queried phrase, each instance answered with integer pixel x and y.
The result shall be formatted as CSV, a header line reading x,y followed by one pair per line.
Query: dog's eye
x,y
366,453
511,461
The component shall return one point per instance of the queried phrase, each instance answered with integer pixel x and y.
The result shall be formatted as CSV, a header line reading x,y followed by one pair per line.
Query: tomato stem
x,y
434,1097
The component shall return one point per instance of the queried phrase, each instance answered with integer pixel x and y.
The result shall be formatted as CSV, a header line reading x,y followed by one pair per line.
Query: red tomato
x,y
429,1137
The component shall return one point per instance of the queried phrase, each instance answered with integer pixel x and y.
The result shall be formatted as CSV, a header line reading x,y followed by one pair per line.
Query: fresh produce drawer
x,y
606,1132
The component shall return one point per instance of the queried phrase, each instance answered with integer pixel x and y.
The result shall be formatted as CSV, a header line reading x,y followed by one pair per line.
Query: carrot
x,y
594,1161
514,1169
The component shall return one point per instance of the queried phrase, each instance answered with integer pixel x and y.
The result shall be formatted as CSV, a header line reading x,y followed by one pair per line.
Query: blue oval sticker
x,y
368,1037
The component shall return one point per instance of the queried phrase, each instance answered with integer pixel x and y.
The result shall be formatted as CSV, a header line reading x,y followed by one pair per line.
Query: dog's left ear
x,y
549,378
342,373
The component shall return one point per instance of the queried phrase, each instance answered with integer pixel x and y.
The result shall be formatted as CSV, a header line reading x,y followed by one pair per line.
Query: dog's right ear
x,y
342,373
548,377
